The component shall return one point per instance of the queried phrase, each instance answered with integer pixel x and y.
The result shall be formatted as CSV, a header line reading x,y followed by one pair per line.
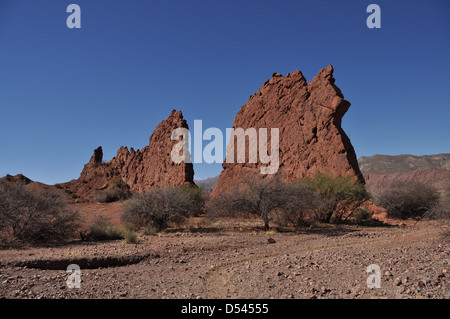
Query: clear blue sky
x,y
63,92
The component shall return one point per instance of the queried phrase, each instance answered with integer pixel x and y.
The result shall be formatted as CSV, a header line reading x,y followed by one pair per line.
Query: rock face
x,y
97,158
308,116
153,165
142,169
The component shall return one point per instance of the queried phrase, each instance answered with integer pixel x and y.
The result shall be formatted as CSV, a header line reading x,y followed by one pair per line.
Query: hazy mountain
x,y
380,171
389,164
207,184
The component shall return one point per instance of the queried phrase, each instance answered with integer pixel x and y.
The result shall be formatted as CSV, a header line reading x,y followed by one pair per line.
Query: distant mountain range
x,y
380,171
209,183
388,164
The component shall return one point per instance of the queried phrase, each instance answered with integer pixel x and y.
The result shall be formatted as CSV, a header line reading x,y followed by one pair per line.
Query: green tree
x,y
341,196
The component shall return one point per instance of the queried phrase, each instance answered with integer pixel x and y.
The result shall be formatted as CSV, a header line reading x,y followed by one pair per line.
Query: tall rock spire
x,y
308,116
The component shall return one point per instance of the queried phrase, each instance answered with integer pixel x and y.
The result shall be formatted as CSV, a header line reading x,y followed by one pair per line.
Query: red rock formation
x,y
308,116
153,165
142,169
16,179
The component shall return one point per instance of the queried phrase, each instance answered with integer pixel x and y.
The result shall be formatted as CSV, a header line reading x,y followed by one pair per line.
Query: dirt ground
x,y
220,261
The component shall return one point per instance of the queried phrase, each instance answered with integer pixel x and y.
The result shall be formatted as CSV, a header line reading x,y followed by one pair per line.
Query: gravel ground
x,y
328,262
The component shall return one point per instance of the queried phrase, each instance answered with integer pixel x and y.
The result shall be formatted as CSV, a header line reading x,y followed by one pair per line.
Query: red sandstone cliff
x,y
140,170
308,115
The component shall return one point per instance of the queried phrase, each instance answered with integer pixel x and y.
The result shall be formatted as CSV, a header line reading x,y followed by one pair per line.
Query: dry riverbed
x,y
325,262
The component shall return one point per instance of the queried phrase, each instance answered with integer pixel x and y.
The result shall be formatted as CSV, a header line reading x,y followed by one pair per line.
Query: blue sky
x,y
63,92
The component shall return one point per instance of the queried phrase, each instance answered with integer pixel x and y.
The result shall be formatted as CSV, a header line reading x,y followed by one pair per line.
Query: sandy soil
x,y
221,262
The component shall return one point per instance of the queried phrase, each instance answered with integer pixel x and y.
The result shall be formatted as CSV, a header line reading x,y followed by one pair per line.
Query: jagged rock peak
x,y
144,169
97,157
308,116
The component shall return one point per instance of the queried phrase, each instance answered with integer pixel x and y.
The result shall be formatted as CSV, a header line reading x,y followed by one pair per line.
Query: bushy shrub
x,y
442,209
197,195
408,200
117,182
301,206
340,196
110,195
159,208
117,190
208,221
130,237
102,229
35,217
149,231
269,198
360,216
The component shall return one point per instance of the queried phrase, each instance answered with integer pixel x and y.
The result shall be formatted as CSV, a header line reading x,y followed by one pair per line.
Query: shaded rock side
x,y
308,115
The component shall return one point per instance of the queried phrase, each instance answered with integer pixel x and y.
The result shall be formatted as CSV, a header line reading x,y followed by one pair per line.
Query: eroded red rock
x,y
308,115
140,170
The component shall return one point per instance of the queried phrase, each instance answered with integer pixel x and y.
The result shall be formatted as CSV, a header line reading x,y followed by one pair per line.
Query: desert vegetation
x,y
101,228
442,209
198,196
110,195
117,190
408,200
159,208
38,217
320,198
215,257
30,217
268,198
340,197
